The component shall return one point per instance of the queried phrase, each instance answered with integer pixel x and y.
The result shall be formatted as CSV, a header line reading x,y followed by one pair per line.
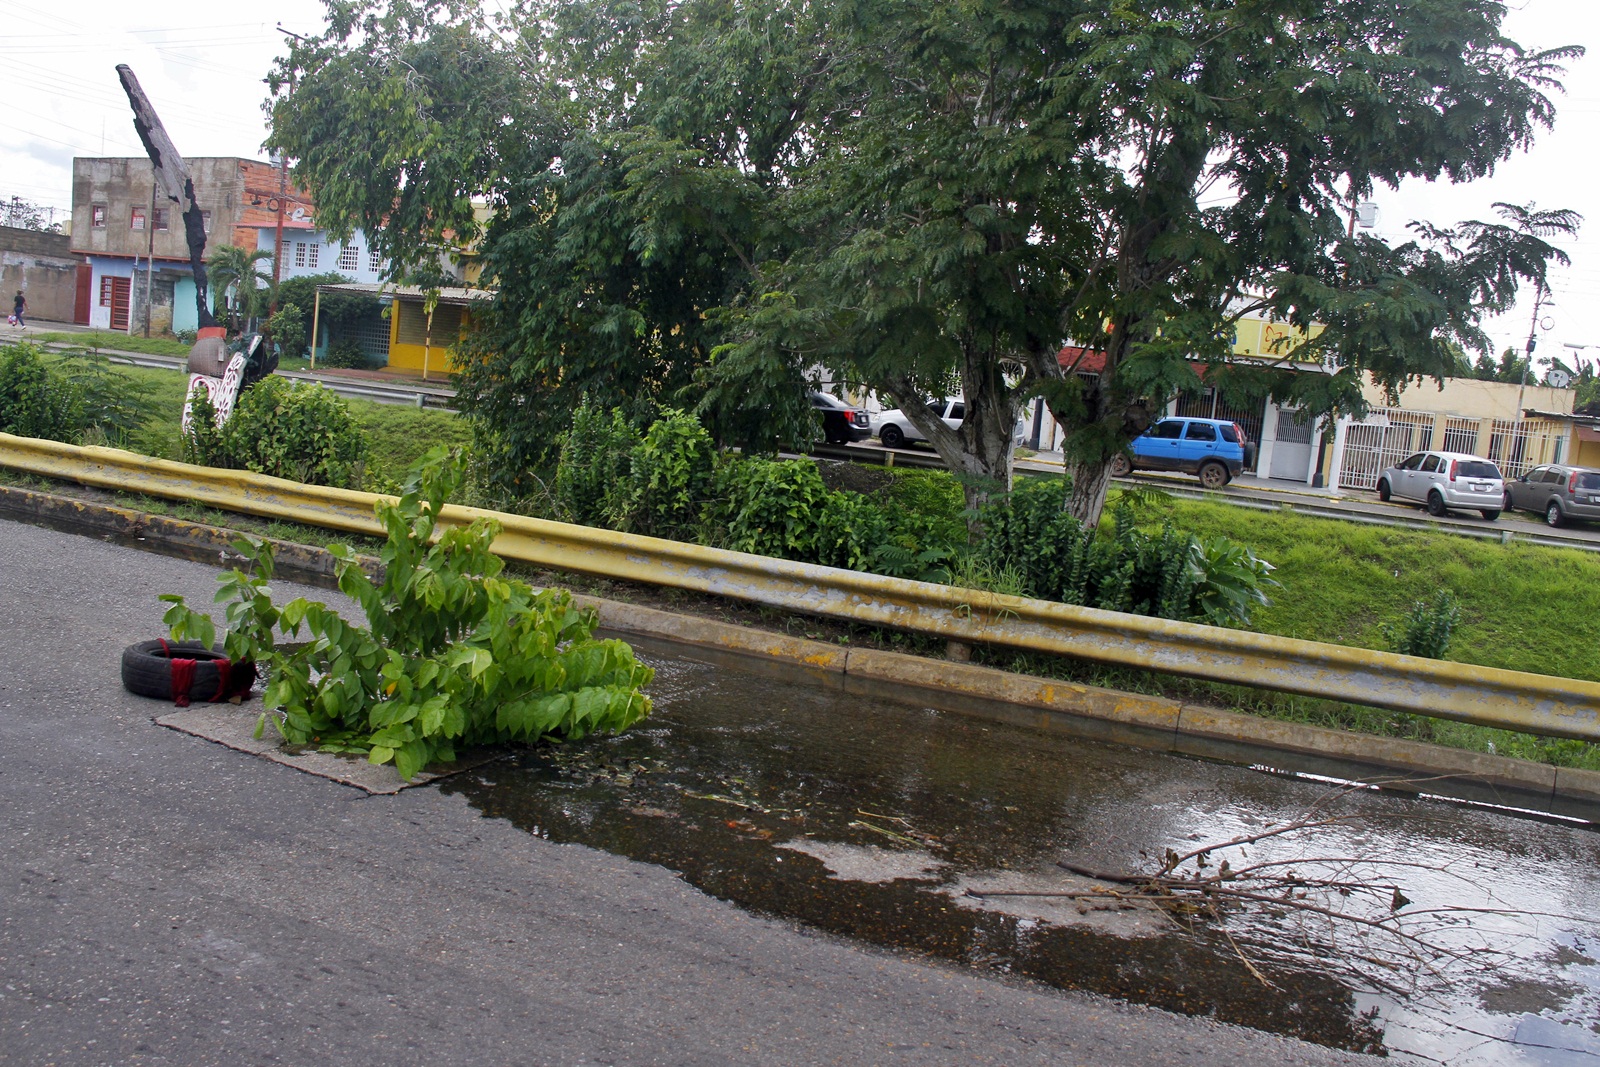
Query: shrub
x,y
287,328
1031,541
452,655
188,337
670,475
769,507
1146,575
35,402
299,431
346,354
114,406
203,443
593,470
851,529
1030,531
1426,629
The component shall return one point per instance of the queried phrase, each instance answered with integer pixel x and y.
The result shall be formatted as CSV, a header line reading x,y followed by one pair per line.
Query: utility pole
x,y
1533,342
283,193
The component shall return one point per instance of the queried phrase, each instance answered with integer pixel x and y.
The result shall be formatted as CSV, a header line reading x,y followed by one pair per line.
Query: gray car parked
x,y
1556,491
1442,481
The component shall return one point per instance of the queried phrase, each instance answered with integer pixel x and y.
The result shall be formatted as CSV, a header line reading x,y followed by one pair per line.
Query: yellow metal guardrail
x,y
1511,700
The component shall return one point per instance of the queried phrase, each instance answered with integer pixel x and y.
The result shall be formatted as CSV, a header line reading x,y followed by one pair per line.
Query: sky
x,y
202,64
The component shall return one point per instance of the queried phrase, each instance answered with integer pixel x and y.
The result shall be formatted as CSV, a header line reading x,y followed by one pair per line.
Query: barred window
x,y
347,257
374,261
313,250
299,253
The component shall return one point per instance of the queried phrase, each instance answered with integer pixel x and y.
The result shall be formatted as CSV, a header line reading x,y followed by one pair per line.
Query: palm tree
x,y
239,282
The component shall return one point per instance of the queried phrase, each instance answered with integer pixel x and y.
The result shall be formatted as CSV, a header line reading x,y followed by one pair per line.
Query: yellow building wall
x,y
413,347
1471,398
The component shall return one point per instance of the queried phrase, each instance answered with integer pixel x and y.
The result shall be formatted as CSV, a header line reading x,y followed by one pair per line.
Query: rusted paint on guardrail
x,y
1487,696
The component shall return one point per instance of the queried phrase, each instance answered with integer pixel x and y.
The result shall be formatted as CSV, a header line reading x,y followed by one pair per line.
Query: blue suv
x,y
1213,449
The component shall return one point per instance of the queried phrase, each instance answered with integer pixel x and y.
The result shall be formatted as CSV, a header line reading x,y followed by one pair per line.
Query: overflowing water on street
x,y
1430,930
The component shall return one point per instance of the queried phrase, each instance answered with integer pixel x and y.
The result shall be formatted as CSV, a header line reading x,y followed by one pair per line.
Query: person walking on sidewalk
x,y
18,306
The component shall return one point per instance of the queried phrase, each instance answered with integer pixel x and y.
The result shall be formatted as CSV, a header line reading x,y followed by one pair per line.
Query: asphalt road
x,y
165,900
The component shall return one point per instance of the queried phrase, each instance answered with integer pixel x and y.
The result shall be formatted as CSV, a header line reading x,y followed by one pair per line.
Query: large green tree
x,y
709,198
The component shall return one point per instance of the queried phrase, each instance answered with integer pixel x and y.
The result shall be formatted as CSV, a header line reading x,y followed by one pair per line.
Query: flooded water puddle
x,y
1041,857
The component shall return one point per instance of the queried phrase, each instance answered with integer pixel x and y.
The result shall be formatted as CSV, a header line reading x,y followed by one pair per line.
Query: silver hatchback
x,y
1558,492
1442,481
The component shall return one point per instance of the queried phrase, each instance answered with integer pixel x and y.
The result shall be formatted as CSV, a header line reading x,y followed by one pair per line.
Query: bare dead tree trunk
x,y
172,175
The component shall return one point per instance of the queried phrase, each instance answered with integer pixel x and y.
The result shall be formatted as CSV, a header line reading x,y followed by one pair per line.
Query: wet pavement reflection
x,y
873,819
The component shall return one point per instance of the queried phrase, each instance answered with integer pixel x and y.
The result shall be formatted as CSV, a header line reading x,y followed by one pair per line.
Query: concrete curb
x,y
963,688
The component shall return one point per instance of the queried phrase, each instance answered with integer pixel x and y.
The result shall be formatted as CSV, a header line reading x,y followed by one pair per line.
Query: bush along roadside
x,y
293,430
453,654
671,482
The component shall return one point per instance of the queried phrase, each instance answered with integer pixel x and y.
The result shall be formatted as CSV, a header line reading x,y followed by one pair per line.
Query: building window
x,y
299,253
105,290
160,218
347,257
374,261
205,221
136,222
97,216
313,250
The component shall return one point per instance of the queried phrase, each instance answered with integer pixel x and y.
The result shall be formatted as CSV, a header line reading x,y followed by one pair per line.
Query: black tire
x,y
1491,514
1436,506
147,671
891,436
1552,514
1383,491
1121,465
1505,503
1213,475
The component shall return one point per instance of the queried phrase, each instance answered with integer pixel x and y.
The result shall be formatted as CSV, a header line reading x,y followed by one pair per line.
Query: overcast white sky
x,y
202,63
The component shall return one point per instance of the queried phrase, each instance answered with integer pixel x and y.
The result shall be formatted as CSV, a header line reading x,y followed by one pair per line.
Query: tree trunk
x,y
1090,482
981,451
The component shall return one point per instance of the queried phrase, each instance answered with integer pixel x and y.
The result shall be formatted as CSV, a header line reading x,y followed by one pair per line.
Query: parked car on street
x,y
1213,449
841,422
1442,481
1557,491
894,429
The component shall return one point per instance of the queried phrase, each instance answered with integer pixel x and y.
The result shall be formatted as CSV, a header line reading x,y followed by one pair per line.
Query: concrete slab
x,y
235,727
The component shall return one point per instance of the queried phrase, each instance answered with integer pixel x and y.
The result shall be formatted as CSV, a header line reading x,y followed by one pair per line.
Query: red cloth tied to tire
x,y
183,678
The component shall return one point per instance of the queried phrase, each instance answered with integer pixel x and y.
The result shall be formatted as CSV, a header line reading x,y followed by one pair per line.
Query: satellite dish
x,y
1559,379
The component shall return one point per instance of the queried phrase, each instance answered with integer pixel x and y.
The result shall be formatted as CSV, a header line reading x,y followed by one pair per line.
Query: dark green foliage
x,y
346,354
1426,629
203,444
769,507
1146,575
289,330
851,531
34,401
298,431
669,478
594,470
1031,530
453,654
1171,575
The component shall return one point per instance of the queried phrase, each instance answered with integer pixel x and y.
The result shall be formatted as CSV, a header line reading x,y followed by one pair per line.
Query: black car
x,y
841,423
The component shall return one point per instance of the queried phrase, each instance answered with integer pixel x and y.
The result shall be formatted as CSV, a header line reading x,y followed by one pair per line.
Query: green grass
x,y
97,340
1523,607
397,435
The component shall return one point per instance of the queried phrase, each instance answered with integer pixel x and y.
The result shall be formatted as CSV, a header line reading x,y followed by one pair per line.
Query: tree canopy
x,y
710,200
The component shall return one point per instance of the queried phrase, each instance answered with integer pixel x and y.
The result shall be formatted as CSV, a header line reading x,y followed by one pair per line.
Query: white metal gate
x,y
1291,450
1382,439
